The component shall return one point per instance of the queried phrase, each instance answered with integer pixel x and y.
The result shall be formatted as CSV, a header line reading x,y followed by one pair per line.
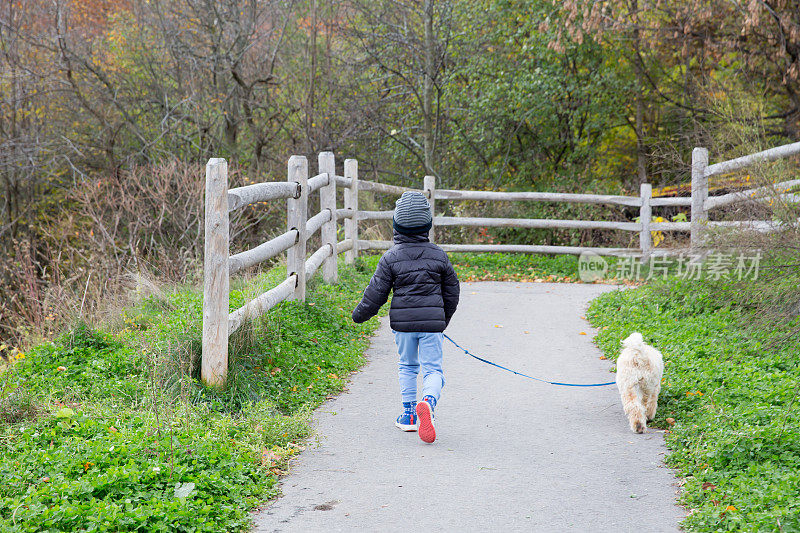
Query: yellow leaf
x,y
583,333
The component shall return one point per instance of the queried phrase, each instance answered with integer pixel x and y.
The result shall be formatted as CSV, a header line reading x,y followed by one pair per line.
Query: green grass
x,y
514,267
108,429
549,268
731,387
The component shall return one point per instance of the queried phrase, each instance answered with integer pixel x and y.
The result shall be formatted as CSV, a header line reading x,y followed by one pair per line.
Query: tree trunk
x,y
641,149
312,82
427,104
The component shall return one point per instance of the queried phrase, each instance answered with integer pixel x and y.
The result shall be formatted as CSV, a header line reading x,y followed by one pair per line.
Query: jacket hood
x,y
400,238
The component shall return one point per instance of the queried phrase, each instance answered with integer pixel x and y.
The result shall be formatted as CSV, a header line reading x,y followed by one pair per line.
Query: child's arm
x,y
450,292
376,293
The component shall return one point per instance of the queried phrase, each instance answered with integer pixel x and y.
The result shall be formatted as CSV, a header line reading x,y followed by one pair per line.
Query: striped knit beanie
x,y
412,214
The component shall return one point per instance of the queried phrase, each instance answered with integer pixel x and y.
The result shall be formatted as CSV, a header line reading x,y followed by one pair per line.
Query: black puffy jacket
x,y
424,283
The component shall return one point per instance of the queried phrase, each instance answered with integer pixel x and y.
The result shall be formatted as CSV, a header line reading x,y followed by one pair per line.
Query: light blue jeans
x,y
419,351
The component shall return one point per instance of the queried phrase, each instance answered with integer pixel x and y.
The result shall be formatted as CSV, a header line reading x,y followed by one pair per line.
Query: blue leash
x,y
525,375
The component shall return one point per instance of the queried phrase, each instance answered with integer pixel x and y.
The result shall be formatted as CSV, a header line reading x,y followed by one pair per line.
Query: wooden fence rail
x,y
219,323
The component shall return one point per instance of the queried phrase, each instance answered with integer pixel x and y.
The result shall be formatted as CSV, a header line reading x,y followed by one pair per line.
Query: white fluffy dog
x,y
639,371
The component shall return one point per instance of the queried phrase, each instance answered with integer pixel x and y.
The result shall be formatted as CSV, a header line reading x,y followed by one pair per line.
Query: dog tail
x,y
634,340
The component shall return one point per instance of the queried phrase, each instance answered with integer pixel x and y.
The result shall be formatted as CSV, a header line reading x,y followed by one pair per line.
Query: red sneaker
x,y
426,430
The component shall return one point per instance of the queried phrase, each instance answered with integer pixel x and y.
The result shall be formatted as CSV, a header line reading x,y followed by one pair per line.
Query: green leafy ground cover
x,y
730,384
515,267
108,430
547,268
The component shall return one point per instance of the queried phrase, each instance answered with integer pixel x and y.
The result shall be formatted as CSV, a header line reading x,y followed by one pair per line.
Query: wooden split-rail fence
x,y
219,265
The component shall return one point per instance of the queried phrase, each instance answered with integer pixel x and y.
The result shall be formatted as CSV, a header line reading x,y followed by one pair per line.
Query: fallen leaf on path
x,y
498,326
583,333
603,357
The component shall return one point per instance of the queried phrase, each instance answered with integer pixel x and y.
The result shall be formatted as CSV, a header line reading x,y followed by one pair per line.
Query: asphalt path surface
x,y
511,454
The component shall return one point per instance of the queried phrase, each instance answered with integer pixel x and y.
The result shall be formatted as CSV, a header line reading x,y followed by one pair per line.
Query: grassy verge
x,y
109,429
731,388
526,268
515,267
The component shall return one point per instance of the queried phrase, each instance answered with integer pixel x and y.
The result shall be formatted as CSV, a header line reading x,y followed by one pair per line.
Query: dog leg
x,y
651,405
634,409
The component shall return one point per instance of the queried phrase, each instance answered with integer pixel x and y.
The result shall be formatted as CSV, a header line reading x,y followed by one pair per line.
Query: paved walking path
x,y
512,454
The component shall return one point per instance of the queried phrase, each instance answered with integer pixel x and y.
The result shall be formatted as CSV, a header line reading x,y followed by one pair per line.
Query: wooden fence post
x,y
296,217
699,196
351,202
216,282
429,186
645,215
327,200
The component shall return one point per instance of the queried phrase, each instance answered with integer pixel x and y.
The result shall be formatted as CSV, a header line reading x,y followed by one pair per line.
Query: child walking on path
x,y
425,297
